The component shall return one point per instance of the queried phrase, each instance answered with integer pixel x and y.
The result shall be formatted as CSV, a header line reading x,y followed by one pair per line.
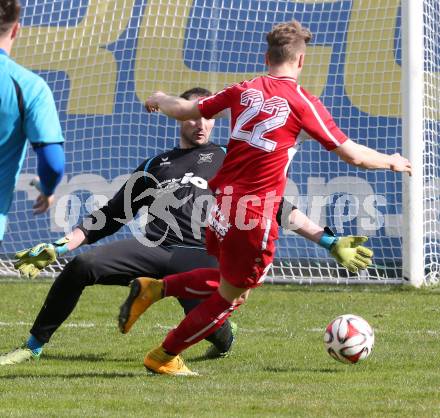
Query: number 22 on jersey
x,y
254,100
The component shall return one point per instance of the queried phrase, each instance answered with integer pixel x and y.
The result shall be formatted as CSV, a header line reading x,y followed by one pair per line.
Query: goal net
x,y
431,137
103,58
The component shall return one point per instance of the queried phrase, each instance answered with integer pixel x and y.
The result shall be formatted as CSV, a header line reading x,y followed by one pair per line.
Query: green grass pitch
x,y
278,368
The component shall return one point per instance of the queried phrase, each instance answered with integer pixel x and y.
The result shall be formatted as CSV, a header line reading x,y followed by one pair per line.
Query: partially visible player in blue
x,y
27,113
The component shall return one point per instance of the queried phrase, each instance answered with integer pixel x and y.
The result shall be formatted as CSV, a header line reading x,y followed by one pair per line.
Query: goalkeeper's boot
x,y
144,291
222,349
19,355
158,361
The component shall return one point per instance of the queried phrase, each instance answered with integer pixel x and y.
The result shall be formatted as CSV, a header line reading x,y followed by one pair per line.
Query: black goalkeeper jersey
x,y
173,186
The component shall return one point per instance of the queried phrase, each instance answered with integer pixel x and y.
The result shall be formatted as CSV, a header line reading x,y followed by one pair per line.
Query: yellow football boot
x,y
144,291
158,361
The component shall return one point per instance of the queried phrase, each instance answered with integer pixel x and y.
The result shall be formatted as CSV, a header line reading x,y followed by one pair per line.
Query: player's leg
x,y
189,258
145,291
202,321
256,248
221,340
114,264
205,318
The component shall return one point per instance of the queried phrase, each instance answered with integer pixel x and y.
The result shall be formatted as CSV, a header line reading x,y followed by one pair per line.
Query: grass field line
x,y
241,330
68,325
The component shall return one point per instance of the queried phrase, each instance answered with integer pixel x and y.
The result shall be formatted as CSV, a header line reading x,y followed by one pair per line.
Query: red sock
x,y
194,284
198,324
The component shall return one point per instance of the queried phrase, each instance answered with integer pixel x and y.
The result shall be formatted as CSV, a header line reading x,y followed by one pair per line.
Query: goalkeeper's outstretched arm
x,y
346,250
99,224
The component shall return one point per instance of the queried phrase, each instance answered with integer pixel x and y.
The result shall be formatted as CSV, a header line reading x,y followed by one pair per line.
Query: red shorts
x,y
243,242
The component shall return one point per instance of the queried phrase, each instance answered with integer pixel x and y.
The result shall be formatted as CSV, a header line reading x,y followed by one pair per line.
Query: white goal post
x,y
413,64
374,63
421,135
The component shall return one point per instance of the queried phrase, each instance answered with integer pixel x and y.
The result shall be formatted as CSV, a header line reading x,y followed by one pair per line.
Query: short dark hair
x,y
195,91
9,14
285,41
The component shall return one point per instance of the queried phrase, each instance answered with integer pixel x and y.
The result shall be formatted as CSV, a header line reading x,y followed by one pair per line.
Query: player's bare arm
x,y
174,107
364,157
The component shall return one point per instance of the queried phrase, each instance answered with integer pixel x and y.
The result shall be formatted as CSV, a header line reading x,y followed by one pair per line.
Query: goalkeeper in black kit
x,y
173,186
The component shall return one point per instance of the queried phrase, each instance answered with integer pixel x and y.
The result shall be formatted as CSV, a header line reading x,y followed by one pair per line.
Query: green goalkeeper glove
x,y
348,250
32,260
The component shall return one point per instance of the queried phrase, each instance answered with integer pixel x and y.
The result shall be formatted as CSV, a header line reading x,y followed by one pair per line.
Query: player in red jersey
x,y
267,115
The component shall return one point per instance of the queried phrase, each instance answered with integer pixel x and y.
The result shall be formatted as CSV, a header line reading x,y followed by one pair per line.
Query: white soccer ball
x,y
349,339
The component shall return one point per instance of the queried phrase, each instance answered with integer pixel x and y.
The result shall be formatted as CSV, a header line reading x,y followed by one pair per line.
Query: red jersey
x,y
267,115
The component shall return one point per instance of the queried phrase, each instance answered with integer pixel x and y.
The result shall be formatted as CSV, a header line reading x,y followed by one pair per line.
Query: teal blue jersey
x,y
38,123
